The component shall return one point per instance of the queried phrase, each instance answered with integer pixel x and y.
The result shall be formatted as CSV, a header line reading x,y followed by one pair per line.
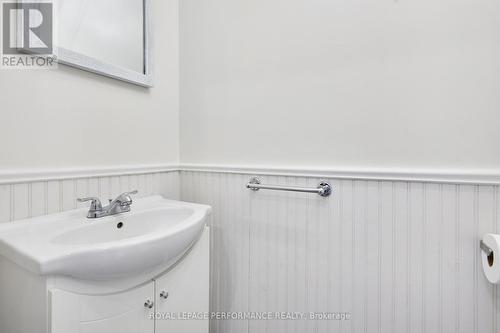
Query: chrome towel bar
x,y
323,189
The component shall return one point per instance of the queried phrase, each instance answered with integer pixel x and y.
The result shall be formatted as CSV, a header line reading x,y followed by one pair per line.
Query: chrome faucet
x,y
117,206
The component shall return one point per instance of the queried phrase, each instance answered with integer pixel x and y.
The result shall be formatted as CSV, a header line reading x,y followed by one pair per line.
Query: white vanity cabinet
x,y
122,306
124,313
185,301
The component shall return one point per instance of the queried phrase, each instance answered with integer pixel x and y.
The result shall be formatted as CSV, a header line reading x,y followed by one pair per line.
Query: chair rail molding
x,y
16,176
440,176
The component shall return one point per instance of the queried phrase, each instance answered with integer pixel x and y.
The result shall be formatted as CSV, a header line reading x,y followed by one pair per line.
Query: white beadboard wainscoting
x,y
399,256
49,192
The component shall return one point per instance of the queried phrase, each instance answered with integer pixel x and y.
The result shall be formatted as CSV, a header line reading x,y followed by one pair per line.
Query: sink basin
x,y
155,233
129,226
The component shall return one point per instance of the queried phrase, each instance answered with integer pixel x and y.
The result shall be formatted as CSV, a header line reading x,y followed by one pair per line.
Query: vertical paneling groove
x,y
467,258
458,260
448,265
416,204
365,257
38,195
424,249
340,197
346,241
265,255
46,198
379,256
440,258
30,200
246,285
475,263
329,258
387,253
409,258
289,261
486,224
5,203
21,201
217,230
393,259
61,196
495,288
12,204
353,250
76,195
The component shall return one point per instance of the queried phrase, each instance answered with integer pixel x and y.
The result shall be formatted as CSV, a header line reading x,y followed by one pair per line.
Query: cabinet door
x,y
125,312
187,285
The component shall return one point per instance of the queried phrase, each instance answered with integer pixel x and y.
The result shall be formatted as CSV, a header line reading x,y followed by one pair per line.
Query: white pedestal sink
x,y
57,268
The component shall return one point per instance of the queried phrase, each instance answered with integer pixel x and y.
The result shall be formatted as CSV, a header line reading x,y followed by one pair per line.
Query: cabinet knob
x,y
164,295
149,304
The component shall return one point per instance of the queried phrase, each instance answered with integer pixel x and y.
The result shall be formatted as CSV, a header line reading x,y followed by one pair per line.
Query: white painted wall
x,y
70,118
408,83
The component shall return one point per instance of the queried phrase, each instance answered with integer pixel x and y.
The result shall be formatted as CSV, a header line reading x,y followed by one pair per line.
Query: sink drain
x,y
119,225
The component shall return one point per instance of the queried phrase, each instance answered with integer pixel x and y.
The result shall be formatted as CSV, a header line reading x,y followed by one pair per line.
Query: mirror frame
x,y
86,63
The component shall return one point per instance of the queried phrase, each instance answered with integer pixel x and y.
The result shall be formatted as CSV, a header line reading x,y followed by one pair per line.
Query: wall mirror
x,y
107,37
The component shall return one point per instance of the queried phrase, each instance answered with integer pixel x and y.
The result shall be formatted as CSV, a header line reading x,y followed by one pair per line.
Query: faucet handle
x,y
95,204
124,199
